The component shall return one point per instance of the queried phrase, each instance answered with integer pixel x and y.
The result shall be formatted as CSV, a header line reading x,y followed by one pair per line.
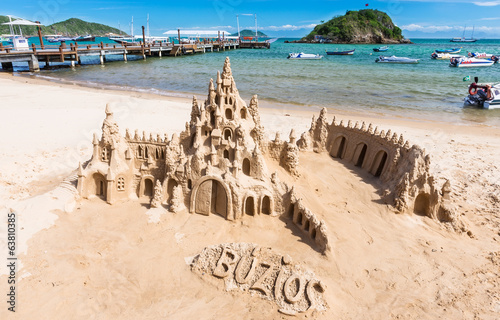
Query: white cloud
x,y
487,3
289,27
433,29
489,19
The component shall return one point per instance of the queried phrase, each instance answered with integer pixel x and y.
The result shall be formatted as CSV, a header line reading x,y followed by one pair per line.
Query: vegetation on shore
x,y
363,26
70,27
250,33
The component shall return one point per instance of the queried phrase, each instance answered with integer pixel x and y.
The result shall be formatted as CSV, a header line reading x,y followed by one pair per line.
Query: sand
x,y
85,259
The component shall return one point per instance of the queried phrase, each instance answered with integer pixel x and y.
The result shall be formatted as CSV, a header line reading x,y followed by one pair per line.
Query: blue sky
x,y
292,18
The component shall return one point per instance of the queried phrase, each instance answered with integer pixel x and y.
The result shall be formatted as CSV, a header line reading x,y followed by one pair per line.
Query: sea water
x,y
430,90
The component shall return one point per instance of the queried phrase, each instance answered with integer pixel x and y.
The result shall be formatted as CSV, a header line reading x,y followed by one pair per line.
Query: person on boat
x,y
485,94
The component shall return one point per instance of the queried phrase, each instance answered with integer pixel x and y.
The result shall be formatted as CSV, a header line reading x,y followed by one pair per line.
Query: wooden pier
x,y
75,52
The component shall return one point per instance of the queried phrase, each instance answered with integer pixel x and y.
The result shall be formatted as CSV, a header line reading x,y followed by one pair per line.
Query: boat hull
x,y
470,63
340,53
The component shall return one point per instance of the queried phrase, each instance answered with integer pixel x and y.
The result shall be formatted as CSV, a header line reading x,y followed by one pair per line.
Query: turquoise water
x,y
428,90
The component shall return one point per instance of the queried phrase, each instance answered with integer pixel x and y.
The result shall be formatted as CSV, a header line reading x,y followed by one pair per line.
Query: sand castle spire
x,y
226,71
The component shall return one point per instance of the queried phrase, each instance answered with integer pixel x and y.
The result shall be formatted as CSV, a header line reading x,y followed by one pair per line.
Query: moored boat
x,y
481,55
84,38
381,49
451,51
480,97
340,53
394,59
304,56
445,56
471,62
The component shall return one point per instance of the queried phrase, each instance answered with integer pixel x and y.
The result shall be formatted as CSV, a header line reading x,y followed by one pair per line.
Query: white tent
x,y
196,33
23,22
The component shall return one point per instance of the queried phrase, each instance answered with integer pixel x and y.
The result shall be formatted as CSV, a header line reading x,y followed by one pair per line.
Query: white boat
x,y
463,38
482,55
304,56
445,56
470,62
478,99
394,59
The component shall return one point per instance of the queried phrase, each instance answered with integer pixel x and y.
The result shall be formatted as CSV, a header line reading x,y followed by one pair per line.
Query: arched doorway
x,y
379,163
360,154
148,187
210,198
422,205
266,205
338,148
250,206
100,185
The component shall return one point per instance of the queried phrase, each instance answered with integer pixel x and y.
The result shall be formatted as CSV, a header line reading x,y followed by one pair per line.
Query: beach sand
x,y
85,259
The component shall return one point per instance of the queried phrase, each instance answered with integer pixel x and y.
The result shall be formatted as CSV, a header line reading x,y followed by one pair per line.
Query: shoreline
x,y
186,97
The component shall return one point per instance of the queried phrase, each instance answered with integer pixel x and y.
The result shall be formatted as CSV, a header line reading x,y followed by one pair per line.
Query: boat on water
x,y
481,55
340,53
471,62
445,56
304,56
59,39
394,59
381,49
452,51
463,38
84,38
478,96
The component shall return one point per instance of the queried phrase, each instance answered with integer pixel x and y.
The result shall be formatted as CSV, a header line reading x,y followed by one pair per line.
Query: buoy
x,y
467,78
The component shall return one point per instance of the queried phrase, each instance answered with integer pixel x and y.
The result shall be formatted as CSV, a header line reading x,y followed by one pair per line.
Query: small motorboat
x,y
471,62
394,59
84,38
340,53
451,51
381,49
478,96
59,39
481,55
445,56
304,56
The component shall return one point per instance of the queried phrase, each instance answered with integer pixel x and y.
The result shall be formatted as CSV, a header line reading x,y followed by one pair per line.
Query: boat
x,y
479,99
340,53
445,56
59,39
452,51
471,62
463,38
381,49
481,55
304,56
84,38
394,59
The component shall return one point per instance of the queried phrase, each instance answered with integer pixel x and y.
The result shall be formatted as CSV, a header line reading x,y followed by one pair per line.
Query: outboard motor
x,y
495,59
434,55
454,62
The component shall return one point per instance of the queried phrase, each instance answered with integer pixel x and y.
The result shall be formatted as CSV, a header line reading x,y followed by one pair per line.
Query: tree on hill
x,y
76,26
366,26
250,33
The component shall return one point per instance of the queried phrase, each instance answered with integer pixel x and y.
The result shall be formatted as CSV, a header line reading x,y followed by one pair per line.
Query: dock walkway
x,y
74,52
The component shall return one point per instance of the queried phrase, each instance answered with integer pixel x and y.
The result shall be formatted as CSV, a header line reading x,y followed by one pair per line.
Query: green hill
x,y
70,27
363,26
250,33
76,27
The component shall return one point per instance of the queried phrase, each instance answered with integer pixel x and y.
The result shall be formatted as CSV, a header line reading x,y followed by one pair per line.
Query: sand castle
x,y
217,165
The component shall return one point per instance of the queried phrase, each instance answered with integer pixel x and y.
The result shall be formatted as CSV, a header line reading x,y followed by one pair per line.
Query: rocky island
x,y
363,26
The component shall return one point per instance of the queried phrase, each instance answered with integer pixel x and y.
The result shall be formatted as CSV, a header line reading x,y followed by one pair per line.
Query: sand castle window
x,y
229,114
313,233
140,152
226,154
190,184
120,184
266,205
212,118
246,166
146,152
243,114
162,154
227,134
361,149
206,133
157,153
290,210
379,163
306,225
250,206
105,154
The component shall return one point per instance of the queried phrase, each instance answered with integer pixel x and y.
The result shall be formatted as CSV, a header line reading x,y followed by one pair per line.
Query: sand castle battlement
x,y
217,165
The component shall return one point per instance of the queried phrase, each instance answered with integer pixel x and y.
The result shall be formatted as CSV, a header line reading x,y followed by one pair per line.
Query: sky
x,y
277,18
